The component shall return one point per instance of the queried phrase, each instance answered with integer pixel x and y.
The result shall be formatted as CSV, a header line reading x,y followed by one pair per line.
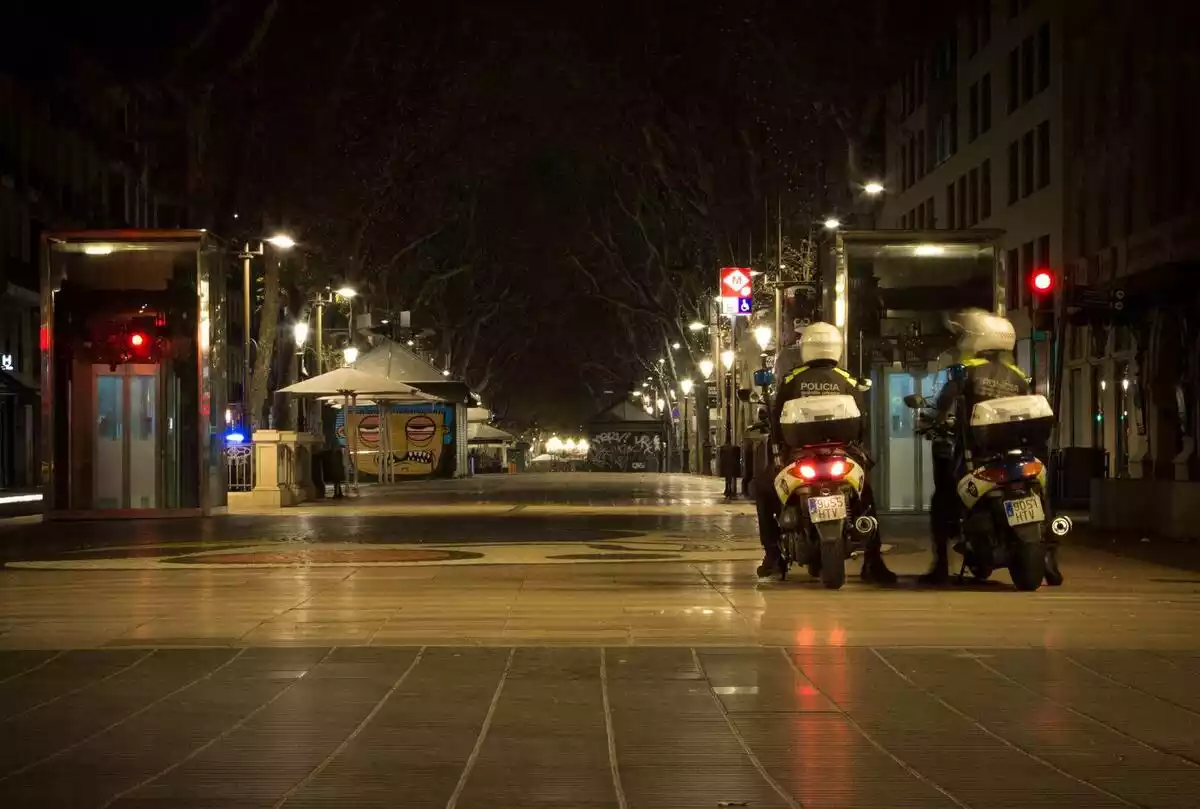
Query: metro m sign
x,y
737,295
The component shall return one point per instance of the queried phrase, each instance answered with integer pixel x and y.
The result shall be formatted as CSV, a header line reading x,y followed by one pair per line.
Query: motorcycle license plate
x,y
827,509
1024,511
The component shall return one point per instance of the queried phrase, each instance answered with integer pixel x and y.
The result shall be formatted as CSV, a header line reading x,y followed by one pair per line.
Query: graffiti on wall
x,y
422,439
623,451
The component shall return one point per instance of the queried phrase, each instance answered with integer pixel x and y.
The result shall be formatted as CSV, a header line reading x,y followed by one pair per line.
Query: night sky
x,y
511,142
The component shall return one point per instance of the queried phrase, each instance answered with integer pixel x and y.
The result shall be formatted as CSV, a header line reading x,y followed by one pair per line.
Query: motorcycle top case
x,y
820,420
1011,422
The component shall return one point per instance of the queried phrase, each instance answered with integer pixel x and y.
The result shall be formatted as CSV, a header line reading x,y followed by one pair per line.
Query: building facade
x,y
1131,385
70,156
974,140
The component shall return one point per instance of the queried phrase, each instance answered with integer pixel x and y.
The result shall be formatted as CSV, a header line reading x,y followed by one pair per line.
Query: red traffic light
x,y
137,339
1043,281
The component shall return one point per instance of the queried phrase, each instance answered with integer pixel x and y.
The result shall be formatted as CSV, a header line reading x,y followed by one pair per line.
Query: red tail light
x,y
812,469
992,474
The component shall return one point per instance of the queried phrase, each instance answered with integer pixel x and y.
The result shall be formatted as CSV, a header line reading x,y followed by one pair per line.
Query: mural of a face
x,y
368,432
420,450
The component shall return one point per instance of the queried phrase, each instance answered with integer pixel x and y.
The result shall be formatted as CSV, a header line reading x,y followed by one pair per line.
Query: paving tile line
x,y
218,738
80,689
878,745
32,669
76,745
1032,756
613,766
483,731
1084,715
783,794
359,728
1128,686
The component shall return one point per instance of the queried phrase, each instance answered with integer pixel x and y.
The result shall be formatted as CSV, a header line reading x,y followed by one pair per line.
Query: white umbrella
x,y
349,383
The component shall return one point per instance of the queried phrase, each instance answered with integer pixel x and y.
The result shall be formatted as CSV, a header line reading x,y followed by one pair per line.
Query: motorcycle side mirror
x,y
743,395
914,400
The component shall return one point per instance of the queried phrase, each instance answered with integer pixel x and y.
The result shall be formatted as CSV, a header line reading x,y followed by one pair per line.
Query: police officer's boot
x,y
772,565
939,573
1054,576
874,569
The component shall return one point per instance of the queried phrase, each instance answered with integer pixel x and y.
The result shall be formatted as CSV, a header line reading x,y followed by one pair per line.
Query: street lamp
x,y
706,368
300,332
346,292
762,336
350,353
833,223
675,346
583,446
727,358
874,188
685,385
696,325
281,242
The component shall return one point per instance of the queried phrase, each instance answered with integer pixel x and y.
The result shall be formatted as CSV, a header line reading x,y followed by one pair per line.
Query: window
x,y
985,104
1043,251
1043,149
1026,262
973,124
951,222
1014,79
985,23
921,154
1043,57
953,129
1099,391
985,190
973,183
1027,167
931,213
962,202
972,33
1027,76
1012,272
1014,173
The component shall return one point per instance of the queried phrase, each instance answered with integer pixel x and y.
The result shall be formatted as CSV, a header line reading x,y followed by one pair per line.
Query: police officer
x,y
817,374
985,369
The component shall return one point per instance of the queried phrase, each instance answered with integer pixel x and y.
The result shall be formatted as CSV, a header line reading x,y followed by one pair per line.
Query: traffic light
x,y
1041,299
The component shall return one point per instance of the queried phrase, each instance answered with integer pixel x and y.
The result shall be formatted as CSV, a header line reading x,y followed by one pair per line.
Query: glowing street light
x,y
300,332
696,325
873,188
555,445
569,445
282,241
346,292
727,357
350,353
583,446
833,223
675,346
762,336
685,385
706,367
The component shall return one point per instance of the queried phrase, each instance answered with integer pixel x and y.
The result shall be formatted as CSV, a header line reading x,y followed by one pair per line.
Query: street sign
x,y
737,291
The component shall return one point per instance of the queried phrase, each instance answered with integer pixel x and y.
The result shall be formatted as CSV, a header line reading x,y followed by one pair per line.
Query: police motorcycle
x,y
821,521
1002,485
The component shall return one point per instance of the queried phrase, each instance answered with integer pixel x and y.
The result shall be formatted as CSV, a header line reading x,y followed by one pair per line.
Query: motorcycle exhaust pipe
x,y
1061,526
866,525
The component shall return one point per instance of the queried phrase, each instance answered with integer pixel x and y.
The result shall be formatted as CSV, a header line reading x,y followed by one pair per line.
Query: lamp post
x,y
279,241
703,432
729,450
685,466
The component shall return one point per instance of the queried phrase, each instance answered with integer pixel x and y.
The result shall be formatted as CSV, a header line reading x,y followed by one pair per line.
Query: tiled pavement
x,y
610,684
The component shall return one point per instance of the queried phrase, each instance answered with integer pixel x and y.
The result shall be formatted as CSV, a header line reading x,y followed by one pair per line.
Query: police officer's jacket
x,y
991,375
817,378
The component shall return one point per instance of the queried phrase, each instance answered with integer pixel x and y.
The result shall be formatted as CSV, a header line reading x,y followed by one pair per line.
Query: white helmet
x,y
979,331
820,341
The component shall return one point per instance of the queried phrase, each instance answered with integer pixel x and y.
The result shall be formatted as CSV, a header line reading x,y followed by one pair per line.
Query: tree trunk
x,y
268,326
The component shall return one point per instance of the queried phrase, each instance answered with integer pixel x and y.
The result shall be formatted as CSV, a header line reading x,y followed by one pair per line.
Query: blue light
x,y
234,438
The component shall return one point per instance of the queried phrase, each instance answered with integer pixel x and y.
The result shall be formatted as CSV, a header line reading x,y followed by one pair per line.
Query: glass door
x,y
907,476
125,456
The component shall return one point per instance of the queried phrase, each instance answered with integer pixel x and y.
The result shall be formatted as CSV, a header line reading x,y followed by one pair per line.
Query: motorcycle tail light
x,y
807,471
1031,469
992,474
837,469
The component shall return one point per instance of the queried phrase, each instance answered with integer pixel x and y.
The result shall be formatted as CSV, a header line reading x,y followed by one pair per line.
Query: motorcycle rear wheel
x,y
1028,567
833,564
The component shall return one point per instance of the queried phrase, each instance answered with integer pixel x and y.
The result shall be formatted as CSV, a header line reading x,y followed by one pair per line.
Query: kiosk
x,y
134,373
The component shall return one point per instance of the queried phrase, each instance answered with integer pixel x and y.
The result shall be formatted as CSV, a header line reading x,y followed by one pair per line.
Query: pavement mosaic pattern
x,y
599,727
